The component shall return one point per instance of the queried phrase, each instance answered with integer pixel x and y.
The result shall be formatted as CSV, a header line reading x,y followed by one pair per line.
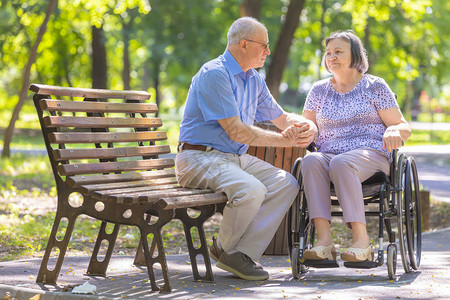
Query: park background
x,y
157,46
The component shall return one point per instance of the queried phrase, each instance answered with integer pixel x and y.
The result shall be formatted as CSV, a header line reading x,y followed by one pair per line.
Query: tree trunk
x,y
126,54
251,8
99,68
6,152
156,71
367,43
281,52
322,27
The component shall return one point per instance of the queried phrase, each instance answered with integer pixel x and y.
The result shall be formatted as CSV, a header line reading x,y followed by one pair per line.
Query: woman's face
x,y
338,55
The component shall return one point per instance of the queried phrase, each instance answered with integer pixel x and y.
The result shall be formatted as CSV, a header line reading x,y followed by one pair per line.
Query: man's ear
x,y
243,44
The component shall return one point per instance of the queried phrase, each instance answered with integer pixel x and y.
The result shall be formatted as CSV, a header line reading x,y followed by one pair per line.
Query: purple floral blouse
x,y
348,121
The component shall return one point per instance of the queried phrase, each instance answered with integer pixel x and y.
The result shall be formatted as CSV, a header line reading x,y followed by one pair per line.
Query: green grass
x,y
428,137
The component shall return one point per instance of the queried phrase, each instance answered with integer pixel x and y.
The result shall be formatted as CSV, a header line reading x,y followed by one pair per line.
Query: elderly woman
x,y
359,124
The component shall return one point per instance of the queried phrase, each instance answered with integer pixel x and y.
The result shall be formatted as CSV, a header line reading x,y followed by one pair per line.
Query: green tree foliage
x,y
168,41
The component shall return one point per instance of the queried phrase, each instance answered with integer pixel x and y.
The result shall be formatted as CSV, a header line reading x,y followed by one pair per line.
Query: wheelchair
x,y
394,199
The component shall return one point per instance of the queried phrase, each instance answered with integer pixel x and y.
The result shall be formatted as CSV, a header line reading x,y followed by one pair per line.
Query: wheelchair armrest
x,y
296,167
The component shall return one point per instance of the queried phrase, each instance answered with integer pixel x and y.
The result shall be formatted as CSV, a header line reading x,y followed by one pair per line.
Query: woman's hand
x,y
302,133
397,131
392,138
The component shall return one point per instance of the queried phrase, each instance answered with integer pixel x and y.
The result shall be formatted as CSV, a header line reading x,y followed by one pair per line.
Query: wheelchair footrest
x,y
321,263
367,264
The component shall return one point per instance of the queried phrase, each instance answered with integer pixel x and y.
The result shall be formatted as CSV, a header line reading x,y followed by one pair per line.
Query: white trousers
x,y
259,195
346,171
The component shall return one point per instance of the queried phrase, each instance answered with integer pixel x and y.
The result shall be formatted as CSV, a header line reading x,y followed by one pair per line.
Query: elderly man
x,y
225,98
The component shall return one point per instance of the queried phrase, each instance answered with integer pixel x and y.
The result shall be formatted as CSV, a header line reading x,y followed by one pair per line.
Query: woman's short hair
x,y
357,50
243,28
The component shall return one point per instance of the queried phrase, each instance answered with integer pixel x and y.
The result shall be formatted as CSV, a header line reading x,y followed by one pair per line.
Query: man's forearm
x,y
255,136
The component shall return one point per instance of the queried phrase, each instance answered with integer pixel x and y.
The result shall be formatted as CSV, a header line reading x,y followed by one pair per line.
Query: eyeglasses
x,y
266,46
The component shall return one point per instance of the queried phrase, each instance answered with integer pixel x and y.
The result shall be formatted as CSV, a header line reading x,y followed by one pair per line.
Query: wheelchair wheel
x,y
412,214
301,232
400,183
392,260
301,235
294,215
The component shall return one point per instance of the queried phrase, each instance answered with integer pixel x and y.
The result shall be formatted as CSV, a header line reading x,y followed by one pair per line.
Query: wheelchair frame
x,y
398,199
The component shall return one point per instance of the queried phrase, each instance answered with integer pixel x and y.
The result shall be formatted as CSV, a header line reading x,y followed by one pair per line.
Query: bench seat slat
x,y
111,167
192,200
96,107
101,122
145,188
105,137
154,196
77,181
93,188
102,153
43,89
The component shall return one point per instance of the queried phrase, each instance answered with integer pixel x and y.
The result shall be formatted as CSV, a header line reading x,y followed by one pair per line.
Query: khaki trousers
x,y
346,171
259,195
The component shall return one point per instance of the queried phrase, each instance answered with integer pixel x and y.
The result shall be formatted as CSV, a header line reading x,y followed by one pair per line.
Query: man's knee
x,y
252,192
291,182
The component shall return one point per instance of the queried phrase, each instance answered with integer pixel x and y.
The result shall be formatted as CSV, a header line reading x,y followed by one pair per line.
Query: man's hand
x,y
302,134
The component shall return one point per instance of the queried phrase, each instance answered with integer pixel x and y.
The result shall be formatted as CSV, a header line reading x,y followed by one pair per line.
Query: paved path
x,y
127,281
433,165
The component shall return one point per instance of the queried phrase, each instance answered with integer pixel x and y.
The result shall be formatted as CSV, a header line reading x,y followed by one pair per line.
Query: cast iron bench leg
x,y
51,276
97,267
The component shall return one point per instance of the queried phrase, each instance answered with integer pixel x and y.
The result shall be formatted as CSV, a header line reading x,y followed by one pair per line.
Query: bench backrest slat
x,y
104,153
96,107
105,137
99,122
77,181
111,167
43,89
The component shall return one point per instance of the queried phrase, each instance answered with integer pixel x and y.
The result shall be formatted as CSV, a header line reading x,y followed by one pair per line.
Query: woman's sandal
x,y
320,253
358,254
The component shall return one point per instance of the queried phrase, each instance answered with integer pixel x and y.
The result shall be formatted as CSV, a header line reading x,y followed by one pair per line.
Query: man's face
x,y
257,49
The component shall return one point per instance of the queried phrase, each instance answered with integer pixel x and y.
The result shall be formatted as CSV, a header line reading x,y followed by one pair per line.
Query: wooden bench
x,y
101,144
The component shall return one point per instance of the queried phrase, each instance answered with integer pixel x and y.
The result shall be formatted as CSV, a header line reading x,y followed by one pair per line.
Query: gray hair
x,y
357,50
243,28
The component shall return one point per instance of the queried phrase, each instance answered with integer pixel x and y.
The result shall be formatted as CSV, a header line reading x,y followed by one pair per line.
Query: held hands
x,y
300,134
392,139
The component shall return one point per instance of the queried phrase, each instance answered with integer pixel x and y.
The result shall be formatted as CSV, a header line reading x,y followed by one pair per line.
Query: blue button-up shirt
x,y
220,90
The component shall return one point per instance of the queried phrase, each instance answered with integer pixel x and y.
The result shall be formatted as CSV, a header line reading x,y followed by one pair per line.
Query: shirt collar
x,y
233,66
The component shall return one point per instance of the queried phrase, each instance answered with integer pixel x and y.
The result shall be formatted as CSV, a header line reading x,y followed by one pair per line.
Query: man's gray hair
x,y
243,28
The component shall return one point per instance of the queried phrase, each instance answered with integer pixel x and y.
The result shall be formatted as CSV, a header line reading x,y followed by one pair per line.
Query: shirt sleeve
x,y
268,109
382,96
312,100
215,95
